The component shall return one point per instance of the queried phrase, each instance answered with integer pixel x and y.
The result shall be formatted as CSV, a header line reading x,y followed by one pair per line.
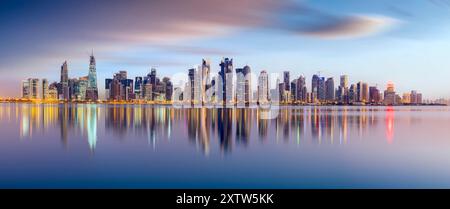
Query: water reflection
x,y
201,127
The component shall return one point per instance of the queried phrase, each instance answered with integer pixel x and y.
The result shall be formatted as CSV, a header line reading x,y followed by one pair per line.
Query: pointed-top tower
x,y
92,90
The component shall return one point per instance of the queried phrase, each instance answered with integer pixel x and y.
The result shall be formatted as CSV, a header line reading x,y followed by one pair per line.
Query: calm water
x,y
139,146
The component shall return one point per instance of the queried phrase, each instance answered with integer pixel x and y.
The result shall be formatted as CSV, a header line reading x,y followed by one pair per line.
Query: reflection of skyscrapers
x,y
92,90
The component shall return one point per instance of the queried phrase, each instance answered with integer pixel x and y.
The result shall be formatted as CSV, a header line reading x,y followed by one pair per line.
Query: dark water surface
x,y
143,146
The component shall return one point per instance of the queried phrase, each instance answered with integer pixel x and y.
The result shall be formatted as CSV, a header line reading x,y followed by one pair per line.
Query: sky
x,y
375,41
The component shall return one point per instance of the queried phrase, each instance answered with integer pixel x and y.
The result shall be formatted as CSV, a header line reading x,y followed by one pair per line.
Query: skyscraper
x,y
226,77
26,89
390,98
30,88
45,89
108,83
92,90
294,90
263,87
206,68
243,85
329,89
318,88
168,88
301,89
374,95
365,92
344,81
286,79
342,92
352,94
191,92
138,87
64,81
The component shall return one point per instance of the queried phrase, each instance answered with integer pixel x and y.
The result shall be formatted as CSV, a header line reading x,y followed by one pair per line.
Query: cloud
x,y
349,27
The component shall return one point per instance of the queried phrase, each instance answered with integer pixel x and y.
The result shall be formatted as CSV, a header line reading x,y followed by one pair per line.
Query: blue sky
x,y
405,41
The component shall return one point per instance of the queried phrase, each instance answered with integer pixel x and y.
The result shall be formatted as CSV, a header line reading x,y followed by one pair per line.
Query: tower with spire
x,y
92,90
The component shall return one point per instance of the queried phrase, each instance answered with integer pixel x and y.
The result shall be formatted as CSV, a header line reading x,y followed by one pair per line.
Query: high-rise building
x,y
374,95
352,94
138,87
243,85
286,80
359,92
192,78
92,90
34,88
390,98
344,81
342,91
148,91
168,89
416,98
226,77
26,89
329,92
64,81
406,98
45,89
263,87
53,91
365,92
80,88
206,69
294,90
318,88
108,83
301,89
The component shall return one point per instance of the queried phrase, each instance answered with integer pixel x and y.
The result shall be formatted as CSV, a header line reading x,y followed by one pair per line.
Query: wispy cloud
x,y
349,27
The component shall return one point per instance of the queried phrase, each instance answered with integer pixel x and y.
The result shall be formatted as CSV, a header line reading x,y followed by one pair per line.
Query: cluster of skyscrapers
x,y
223,89
230,86
148,88
68,89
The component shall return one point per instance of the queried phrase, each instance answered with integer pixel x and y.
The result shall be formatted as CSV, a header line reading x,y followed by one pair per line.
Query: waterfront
x,y
146,146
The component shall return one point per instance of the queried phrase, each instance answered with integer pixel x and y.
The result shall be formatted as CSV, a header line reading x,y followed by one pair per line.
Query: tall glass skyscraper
x,y
226,77
64,91
92,90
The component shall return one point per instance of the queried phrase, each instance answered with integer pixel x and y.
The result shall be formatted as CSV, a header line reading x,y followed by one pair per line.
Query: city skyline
x,y
374,41
230,86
